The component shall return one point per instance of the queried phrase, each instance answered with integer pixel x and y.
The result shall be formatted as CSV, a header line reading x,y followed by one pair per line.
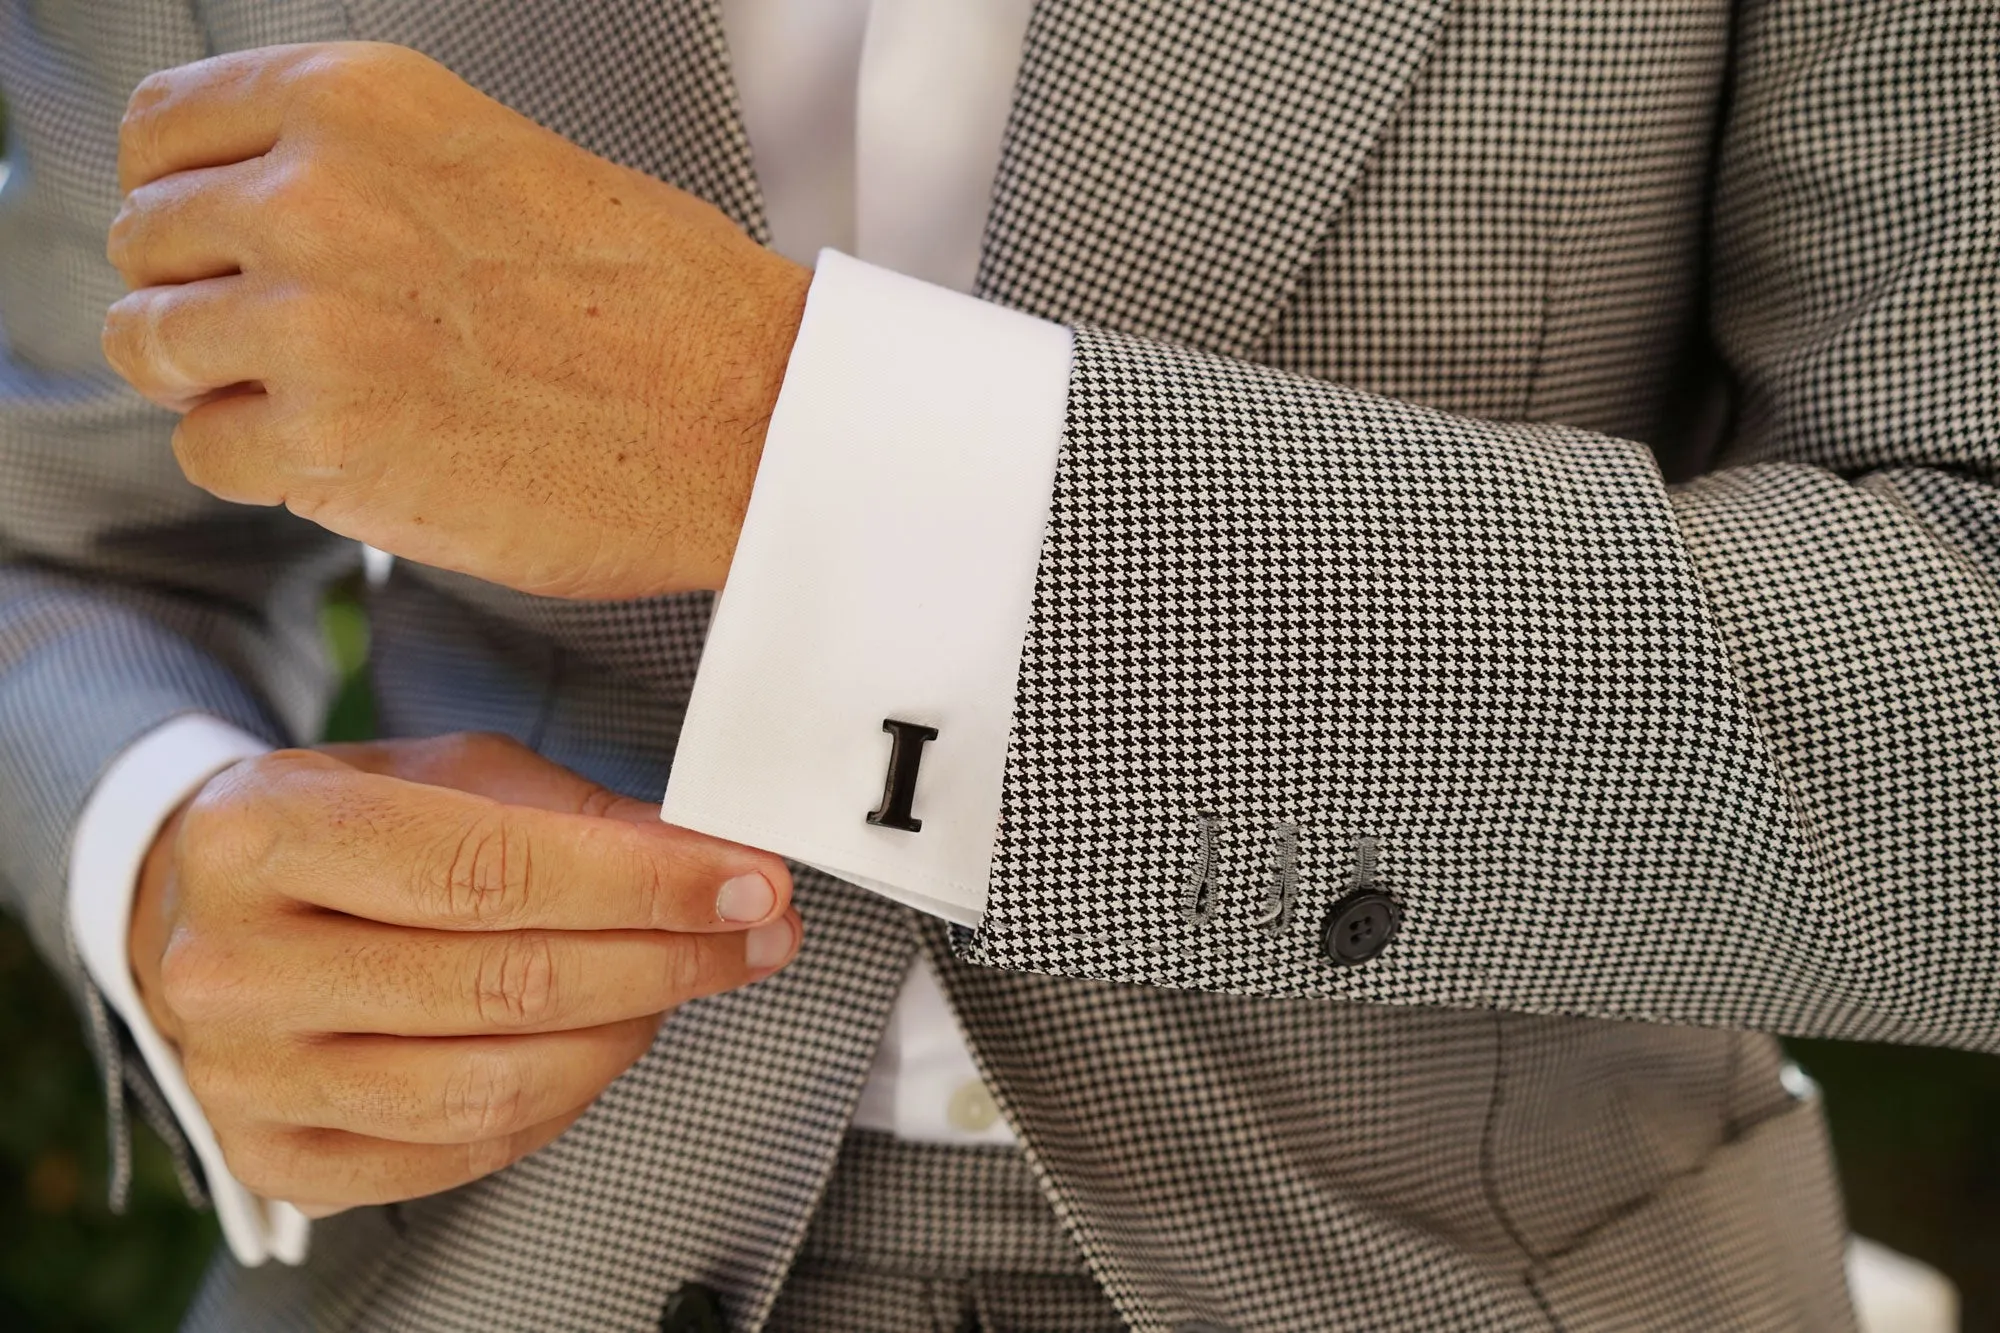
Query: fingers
x,y
445,1090
211,113
347,1049
222,442
179,344
322,1171
184,227
409,854
365,979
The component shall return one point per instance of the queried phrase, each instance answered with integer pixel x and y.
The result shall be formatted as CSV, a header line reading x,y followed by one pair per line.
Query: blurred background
x,y
1917,1133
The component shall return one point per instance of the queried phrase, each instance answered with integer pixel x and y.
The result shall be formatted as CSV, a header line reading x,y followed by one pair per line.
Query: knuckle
x,y
658,892
221,1090
598,802
139,126
285,783
195,460
199,982
332,80
208,833
149,93
483,1097
271,1163
279,1163
118,241
692,969
324,79
148,212
119,339
485,1156
301,184
295,186
479,875
206,1080
517,982
170,319
229,829
145,336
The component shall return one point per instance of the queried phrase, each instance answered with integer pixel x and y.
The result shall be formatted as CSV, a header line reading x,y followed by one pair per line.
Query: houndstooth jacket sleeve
x,y
1722,752
127,596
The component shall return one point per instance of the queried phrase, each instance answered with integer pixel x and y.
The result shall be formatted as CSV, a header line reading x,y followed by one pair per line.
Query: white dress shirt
x,y
886,562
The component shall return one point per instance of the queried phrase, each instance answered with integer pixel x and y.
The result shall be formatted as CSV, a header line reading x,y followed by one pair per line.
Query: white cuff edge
x,y
136,795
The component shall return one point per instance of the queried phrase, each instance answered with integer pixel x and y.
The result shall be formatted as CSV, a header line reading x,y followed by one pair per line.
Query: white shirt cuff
x,y
885,571
135,797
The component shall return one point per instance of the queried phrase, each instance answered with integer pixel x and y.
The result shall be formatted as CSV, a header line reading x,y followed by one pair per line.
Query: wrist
x,y
767,326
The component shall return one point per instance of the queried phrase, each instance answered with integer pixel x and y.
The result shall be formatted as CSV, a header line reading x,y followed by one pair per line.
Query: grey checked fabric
x,y
915,1238
1552,439
1741,736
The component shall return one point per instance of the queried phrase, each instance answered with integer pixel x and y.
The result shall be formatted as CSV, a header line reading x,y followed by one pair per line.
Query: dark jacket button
x,y
1359,926
693,1308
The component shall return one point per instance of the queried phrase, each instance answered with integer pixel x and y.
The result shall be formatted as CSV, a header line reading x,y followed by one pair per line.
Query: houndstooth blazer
x,y
1533,459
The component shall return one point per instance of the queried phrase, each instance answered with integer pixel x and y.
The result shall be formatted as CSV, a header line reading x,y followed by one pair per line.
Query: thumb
x,y
500,769
497,767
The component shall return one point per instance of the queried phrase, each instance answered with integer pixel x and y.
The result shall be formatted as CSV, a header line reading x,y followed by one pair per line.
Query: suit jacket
x,y
1538,452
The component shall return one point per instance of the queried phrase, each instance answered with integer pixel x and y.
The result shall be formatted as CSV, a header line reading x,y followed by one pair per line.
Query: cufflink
x,y
899,784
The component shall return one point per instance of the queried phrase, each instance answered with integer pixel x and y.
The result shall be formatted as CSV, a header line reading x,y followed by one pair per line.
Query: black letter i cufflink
x,y
899,785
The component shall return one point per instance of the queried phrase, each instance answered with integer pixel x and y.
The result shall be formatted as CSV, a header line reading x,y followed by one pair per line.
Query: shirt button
x,y
972,1108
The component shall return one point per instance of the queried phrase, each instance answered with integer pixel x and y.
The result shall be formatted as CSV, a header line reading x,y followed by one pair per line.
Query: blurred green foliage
x,y
66,1264
1917,1132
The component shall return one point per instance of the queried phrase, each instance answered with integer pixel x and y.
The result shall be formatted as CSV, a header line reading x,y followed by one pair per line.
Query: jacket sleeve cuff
x,y
135,797
884,574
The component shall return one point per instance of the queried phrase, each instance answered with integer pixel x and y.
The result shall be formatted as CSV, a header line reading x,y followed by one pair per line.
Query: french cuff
x,y
137,794
880,590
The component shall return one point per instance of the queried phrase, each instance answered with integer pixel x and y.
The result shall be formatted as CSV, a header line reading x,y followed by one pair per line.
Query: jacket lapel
x,y
1169,168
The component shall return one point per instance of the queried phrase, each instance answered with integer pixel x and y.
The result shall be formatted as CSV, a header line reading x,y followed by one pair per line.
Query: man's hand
x,y
394,968
415,317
